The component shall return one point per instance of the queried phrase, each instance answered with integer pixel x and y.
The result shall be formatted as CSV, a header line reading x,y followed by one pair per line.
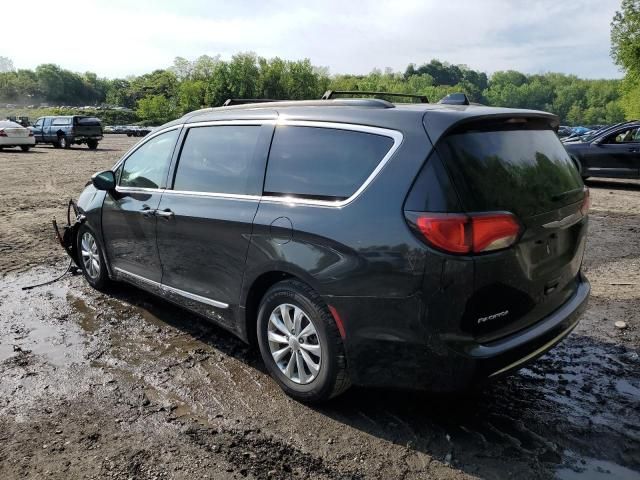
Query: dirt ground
x,y
126,385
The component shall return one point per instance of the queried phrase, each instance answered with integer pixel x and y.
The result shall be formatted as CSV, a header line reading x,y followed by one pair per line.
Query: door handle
x,y
146,211
166,213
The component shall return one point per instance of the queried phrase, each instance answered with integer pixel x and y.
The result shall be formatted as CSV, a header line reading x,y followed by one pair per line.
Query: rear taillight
x,y
30,133
474,233
3,133
586,202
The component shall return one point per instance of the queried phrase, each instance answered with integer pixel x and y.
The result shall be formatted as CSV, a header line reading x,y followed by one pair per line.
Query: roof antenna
x,y
458,98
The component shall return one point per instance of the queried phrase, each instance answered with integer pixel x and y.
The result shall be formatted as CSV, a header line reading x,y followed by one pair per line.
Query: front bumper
x,y
434,364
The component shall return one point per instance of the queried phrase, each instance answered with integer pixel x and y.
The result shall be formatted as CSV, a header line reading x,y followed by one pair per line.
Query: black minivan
x,y
356,241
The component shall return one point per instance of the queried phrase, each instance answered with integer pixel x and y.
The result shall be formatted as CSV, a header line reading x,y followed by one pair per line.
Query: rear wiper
x,y
568,193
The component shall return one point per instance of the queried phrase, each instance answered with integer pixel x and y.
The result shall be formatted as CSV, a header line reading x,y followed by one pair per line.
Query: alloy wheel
x,y
90,255
294,343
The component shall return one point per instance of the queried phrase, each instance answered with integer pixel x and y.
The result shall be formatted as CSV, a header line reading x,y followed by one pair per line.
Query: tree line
x,y
187,85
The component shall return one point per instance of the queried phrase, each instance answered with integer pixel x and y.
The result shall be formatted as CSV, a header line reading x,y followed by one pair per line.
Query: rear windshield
x,y
522,171
87,121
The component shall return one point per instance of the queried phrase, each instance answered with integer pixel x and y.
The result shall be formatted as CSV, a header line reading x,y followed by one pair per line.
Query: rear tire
x,y
25,148
287,350
91,259
92,144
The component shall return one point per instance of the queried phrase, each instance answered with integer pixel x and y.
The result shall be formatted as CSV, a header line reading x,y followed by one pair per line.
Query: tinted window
x,y
627,135
147,166
218,160
522,171
87,121
322,162
61,121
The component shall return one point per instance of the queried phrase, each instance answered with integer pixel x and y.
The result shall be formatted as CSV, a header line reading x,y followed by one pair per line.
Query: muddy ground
x,y
125,385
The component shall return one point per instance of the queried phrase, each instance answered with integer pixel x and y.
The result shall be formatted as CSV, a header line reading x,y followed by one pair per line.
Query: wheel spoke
x,y
280,354
298,315
85,253
311,348
308,330
290,366
274,337
313,367
278,324
302,374
284,312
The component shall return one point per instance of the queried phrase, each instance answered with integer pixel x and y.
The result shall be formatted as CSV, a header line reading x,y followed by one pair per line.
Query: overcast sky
x,y
116,38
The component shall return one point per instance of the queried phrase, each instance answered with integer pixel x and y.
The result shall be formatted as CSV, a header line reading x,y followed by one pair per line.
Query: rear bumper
x,y
443,364
84,138
17,141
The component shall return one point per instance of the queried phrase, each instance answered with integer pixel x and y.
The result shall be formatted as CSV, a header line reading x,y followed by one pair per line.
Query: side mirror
x,y
104,180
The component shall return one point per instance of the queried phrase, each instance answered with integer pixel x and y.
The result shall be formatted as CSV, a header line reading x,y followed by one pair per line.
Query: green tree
x,y
625,51
156,110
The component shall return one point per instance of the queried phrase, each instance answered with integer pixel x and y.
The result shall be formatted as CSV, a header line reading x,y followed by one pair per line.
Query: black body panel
x,y
408,313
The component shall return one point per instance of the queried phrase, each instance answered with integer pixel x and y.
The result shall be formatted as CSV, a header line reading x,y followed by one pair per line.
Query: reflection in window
x,y
218,160
322,162
147,166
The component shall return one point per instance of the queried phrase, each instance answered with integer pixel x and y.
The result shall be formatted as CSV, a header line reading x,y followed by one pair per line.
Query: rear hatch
x,y
87,127
518,166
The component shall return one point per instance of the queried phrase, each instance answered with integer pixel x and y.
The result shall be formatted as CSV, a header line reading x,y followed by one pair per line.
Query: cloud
x,y
118,38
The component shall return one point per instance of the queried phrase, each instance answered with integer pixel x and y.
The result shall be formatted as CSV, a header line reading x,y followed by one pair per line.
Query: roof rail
x,y
329,94
340,102
243,101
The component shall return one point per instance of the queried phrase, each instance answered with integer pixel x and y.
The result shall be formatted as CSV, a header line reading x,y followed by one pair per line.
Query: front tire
x,y
25,148
92,259
92,144
300,343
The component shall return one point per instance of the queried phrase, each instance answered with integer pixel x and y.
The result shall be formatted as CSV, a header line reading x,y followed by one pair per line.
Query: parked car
x,y
13,134
609,152
64,131
136,131
334,235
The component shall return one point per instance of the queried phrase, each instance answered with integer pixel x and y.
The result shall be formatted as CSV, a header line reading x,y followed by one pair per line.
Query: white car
x,y
13,134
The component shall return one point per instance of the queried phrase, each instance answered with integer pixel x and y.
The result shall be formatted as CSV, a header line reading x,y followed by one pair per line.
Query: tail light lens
x,y
30,133
475,233
586,203
3,133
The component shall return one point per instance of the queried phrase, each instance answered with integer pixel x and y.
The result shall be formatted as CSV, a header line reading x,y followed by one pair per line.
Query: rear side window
x,y
61,121
218,159
312,162
87,121
523,171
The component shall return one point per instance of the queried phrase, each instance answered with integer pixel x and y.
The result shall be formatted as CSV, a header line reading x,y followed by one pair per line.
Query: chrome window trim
x,y
191,296
238,122
229,196
138,190
395,135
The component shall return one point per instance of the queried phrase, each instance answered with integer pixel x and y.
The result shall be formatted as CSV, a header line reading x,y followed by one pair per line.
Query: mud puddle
x,y
139,388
